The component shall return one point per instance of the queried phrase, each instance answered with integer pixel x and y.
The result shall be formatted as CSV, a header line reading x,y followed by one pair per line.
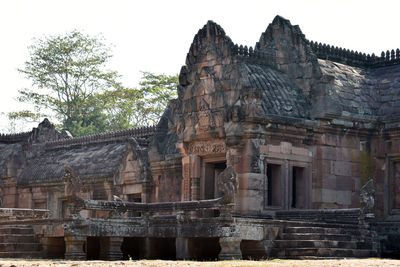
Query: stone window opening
x,y
274,186
299,190
211,171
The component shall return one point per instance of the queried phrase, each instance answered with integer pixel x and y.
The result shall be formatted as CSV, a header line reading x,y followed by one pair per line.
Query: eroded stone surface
x,y
293,127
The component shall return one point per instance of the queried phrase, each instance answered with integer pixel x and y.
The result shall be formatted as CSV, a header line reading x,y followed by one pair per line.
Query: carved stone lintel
x,y
206,148
230,248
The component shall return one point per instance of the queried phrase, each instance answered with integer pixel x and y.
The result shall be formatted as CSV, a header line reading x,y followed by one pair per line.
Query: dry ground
x,y
148,263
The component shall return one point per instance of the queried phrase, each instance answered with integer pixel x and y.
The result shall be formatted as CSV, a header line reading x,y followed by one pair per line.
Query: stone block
x,y
343,153
328,195
300,151
329,182
132,189
356,184
251,181
355,155
331,140
343,168
355,200
251,232
343,197
248,203
350,141
328,153
344,183
317,195
356,169
286,148
327,166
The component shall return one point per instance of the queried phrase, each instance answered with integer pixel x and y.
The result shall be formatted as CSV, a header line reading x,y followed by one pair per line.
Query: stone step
x,y
17,238
322,244
311,236
4,247
16,230
321,224
24,254
322,252
325,230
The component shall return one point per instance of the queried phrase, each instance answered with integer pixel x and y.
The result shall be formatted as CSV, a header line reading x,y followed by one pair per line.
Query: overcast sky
x,y
155,36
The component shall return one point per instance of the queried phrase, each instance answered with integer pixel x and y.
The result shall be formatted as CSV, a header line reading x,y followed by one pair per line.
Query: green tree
x,y
69,81
142,106
67,72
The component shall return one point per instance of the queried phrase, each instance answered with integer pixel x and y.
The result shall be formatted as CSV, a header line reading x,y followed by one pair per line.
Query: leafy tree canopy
x,y
70,81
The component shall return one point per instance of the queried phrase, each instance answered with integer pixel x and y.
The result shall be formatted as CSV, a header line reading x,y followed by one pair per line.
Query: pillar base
x,y
74,247
230,248
110,248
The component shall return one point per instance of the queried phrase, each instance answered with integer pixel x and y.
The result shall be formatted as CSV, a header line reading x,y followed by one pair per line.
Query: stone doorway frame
x,y
286,175
388,191
203,165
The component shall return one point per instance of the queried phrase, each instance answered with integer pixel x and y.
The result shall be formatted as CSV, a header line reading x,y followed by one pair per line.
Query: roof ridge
x,y
354,58
143,132
14,137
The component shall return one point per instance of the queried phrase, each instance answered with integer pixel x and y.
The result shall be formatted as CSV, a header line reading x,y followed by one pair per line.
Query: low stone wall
x,y
7,214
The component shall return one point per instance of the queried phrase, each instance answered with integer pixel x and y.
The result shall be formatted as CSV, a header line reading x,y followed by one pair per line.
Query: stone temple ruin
x,y
289,149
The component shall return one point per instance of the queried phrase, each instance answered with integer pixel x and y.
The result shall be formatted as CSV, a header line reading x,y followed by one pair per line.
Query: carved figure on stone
x,y
227,184
72,190
73,184
367,197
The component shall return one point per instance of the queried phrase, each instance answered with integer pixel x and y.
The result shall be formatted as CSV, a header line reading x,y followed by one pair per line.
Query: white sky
x,y
155,36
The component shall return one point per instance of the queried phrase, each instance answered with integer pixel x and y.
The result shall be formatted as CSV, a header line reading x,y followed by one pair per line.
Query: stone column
x,y
74,247
183,250
110,248
194,170
147,248
230,248
185,179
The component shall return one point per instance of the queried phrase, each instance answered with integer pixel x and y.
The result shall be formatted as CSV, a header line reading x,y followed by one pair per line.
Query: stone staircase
x,y
325,240
19,241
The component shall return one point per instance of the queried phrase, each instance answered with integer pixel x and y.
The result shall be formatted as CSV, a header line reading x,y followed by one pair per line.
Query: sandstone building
x,y
288,149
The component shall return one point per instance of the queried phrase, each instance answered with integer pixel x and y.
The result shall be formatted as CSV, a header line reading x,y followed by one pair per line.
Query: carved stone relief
x,y
205,148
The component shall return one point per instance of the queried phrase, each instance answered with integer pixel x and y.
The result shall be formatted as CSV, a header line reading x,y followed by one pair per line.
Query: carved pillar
x,y
194,170
110,248
230,248
186,186
183,249
74,247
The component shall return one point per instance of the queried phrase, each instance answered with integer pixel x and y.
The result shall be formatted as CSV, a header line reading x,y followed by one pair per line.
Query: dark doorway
x,y
298,188
211,172
133,248
274,185
205,249
92,248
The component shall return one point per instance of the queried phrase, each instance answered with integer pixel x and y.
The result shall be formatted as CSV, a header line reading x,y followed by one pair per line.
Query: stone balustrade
x,y
120,207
